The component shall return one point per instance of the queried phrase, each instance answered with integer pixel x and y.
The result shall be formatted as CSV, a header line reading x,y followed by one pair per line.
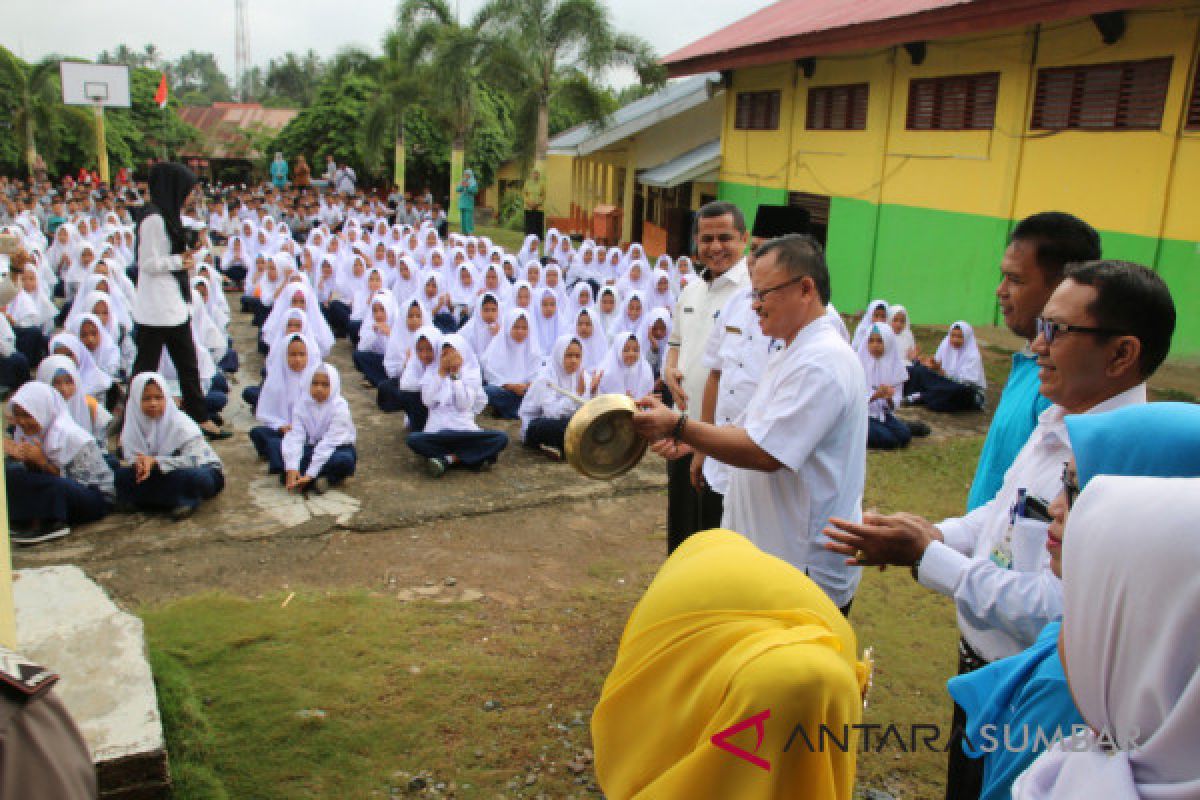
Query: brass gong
x,y
600,440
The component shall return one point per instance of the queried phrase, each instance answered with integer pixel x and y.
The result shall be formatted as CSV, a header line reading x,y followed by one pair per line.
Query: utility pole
x,y
242,51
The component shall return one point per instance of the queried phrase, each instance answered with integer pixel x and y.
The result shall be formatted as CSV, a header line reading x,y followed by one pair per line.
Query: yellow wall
x,y
757,158
558,185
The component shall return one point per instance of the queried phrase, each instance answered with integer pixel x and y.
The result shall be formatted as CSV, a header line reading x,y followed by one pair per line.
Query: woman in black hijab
x,y
162,304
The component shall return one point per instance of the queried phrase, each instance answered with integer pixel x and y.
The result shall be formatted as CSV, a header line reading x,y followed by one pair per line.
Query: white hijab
x,y
905,340
636,381
315,418
887,370
1129,643
60,438
155,437
964,364
283,387
95,380
867,321
595,347
506,360
548,328
77,405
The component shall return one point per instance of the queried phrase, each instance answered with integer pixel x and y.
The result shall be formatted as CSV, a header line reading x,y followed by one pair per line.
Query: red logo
x,y
721,739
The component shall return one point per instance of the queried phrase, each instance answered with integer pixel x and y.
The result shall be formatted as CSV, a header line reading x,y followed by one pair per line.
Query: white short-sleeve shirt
x,y
810,413
698,304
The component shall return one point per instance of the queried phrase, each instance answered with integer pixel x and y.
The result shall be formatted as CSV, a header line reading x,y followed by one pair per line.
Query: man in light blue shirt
x,y
1039,247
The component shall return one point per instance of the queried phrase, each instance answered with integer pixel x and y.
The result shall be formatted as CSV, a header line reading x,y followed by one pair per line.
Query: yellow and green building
x,y
916,132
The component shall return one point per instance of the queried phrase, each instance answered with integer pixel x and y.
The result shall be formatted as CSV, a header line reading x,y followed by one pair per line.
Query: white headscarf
x,y
283,387
155,437
314,417
905,340
77,405
1129,643
636,381
107,355
887,370
95,380
867,321
317,327
476,331
60,438
506,360
548,329
964,364
595,347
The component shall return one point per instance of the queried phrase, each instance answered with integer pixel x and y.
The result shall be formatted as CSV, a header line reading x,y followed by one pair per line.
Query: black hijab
x,y
170,184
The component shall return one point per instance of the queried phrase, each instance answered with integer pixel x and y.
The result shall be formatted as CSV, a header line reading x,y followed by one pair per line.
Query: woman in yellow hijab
x,y
730,637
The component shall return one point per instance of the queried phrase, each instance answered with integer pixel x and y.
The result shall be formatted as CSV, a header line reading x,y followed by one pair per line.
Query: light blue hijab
x,y
1029,691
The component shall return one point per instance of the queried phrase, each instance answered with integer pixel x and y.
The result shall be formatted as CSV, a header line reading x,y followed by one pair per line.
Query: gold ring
x,y
860,556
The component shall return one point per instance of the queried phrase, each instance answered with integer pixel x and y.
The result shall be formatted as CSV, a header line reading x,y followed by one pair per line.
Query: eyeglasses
x,y
1070,482
759,295
723,238
1051,330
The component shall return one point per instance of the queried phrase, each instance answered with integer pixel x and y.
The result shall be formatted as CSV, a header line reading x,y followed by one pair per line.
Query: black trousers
x,y
151,340
688,511
535,223
964,775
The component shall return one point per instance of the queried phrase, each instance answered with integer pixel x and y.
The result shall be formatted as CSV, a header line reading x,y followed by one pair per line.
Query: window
x,y
1128,95
1193,109
757,111
953,103
837,108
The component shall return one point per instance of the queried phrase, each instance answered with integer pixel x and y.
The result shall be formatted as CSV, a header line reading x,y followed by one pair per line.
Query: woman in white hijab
x,y
550,322
94,337
403,392
55,472
483,326
373,339
172,466
591,335
510,363
60,373
289,375
885,373
318,451
299,295
545,410
906,343
953,380
530,249
625,371
1128,645
876,313
96,382
660,294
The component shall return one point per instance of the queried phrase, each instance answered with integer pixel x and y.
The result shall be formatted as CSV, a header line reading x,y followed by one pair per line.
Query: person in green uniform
x,y
466,201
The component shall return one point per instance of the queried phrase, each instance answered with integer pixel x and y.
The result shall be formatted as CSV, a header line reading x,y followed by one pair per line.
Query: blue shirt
x,y
1007,703
1014,421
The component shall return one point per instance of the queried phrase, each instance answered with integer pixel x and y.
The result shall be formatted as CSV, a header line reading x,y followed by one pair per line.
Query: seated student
x,y
360,311
373,338
217,338
437,300
484,324
213,383
289,376
56,474
318,451
14,366
876,314
592,337
453,392
545,411
328,292
658,330
172,466
608,312
953,380
724,633
1128,644
61,373
1028,691
625,371
31,314
298,296
550,324
95,338
906,343
235,262
509,364
96,382
340,304
463,291
403,393
271,280
885,374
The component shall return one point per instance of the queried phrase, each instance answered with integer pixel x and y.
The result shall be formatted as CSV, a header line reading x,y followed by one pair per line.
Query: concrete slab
x,y
67,622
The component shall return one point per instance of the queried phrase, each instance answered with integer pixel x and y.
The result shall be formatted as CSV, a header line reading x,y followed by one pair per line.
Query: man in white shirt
x,y
799,457
1103,332
720,244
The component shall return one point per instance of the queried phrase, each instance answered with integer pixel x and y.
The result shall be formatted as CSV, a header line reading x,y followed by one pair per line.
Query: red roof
x,y
224,127
792,29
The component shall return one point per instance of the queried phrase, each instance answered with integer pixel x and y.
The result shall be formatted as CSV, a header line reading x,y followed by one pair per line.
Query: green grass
x,y
403,685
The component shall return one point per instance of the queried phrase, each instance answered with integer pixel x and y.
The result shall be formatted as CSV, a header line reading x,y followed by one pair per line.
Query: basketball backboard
x,y
95,84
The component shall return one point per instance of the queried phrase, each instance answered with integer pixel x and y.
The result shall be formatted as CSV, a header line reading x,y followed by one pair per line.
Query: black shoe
x,y
436,467
180,513
918,428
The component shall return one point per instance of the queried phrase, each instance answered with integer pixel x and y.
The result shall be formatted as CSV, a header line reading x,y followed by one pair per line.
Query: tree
x,y
36,110
330,125
557,51
295,78
398,89
124,54
198,80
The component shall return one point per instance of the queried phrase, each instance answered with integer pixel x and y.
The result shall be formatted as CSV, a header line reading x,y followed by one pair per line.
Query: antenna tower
x,y
242,55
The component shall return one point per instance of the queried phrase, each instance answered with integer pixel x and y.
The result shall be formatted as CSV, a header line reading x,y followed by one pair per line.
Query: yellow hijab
x,y
724,633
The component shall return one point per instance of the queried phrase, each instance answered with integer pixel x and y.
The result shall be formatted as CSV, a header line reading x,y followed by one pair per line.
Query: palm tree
x,y
561,48
39,109
448,60
398,88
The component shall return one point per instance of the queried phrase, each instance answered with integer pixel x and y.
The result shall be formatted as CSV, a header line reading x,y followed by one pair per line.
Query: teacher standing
x,y
162,303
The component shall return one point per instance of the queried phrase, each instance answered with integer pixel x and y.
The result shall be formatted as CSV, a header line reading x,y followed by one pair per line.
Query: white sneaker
x,y
37,537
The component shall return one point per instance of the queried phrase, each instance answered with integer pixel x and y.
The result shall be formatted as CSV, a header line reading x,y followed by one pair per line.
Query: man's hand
x,y
655,421
674,381
698,472
899,539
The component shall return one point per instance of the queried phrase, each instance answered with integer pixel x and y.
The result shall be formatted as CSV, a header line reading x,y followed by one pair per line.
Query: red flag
x,y
160,96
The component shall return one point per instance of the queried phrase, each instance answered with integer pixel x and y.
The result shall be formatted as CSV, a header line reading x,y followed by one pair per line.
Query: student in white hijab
x,y
403,392
545,410
96,382
953,380
660,294
625,371
550,323
413,316
360,311
1128,645
31,308
453,393
300,295
906,343
876,313
530,249
633,314
510,363
373,339
591,335
14,366
172,466
318,451
483,326
495,282
289,375
60,373
94,337
55,472
609,310
885,373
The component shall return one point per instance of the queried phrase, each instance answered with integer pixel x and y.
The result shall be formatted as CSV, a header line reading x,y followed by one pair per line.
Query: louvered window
x,y
1193,110
953,103
837,108
757,111
1128,95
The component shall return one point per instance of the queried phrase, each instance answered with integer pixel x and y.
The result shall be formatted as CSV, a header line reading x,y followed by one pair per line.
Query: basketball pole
x,y
101,145
8,616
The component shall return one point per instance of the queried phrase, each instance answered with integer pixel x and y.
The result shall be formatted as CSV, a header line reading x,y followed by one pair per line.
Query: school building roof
x,y
227,129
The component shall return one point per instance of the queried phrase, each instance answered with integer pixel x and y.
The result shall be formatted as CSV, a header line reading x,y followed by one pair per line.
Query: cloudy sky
x,y
86,27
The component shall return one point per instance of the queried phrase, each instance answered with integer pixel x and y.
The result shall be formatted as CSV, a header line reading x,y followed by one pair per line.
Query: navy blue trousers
x,y
891,434
503,401
14,370
370,364
229,362
42,496
250,395
163,491
268,443
32,344
445,321
470,448
547,431
939,393
337,314
340,465
392,398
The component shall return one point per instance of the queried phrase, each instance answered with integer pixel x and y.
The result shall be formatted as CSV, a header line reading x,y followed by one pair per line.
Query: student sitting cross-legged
x,y
318,450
